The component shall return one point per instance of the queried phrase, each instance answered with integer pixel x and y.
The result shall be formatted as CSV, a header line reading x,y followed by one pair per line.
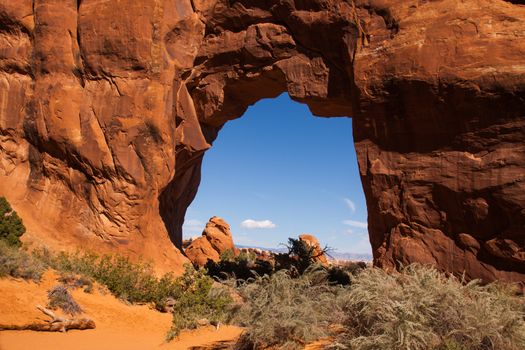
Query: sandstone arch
x,y
107,108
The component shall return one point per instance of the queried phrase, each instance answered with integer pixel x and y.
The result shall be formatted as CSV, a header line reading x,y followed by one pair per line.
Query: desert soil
x,y
118,325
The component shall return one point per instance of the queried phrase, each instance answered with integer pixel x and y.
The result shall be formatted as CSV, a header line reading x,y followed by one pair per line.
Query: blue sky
x,y
278,172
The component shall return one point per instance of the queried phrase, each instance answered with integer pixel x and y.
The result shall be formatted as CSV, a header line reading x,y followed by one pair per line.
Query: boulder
x,y
312,242
215,240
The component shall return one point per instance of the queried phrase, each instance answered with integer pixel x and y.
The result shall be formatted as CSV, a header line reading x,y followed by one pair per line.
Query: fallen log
x,y
56,324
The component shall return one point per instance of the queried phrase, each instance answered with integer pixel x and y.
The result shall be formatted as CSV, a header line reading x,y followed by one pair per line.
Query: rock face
x,y
312,242
215,240
107,107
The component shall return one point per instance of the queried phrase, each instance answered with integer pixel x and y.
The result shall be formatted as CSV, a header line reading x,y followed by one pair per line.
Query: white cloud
x,y
253,224
354,223
350,204
193,226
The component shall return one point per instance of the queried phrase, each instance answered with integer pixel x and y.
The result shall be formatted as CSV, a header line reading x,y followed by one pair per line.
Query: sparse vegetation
x,y
297,260
420,308
11,226
194,292
59,297
130,281
199,299
287,312
18,263
244,266
76,281
300,255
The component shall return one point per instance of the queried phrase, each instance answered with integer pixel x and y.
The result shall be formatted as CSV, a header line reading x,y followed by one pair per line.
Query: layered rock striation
x,y
107,107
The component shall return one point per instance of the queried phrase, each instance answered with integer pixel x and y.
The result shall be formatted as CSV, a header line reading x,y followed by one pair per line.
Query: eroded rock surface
x,y
107,107
215,240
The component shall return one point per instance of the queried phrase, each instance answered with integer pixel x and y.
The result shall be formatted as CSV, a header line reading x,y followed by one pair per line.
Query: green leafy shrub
x,y
11,226
17,263
198,299
286,312
422,309
59,297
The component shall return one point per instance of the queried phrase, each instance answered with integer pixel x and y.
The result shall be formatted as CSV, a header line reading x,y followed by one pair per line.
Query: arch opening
x,y
278,172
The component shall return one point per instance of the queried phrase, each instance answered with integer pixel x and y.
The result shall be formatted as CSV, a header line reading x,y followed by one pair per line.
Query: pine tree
x,y
11,226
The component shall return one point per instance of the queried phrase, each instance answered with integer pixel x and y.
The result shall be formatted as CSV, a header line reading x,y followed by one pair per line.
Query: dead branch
x,y
56,324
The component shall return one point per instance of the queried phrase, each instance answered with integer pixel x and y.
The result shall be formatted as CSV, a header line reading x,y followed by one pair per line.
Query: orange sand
x,y
119,326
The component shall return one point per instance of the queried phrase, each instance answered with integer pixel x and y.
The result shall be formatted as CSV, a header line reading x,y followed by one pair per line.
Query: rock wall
x,y
107,107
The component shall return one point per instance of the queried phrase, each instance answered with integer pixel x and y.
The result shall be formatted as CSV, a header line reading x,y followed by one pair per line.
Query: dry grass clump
x,y
59,297
287,312
422,309
418,308
18,263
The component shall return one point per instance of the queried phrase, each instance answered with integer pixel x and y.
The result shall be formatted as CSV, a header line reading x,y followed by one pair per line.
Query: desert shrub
x,y
59,297
337,275
127,280
11,226
342,273
198,299
420,308
246,256
300,256
227,255
17,263
287,312
241,267
194,294
76,281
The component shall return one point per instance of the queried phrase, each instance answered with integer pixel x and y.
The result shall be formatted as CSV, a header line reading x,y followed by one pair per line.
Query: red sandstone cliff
x,y
107,107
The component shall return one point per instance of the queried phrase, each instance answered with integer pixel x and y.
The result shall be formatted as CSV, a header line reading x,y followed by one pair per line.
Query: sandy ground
x,y
118,325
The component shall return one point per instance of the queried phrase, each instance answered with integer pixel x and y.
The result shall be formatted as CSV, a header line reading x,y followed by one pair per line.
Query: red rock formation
x,y
312,242
215,240
107,107
200,251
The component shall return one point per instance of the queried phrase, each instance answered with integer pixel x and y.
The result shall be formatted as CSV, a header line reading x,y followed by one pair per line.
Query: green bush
x,y
198,299
422,309
11,226
17,263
